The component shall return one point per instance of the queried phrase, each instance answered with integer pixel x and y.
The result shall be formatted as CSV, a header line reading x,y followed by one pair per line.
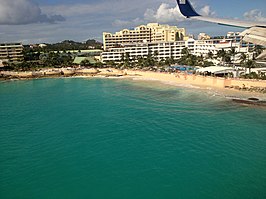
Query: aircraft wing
x,y
255,35
256,32
230,22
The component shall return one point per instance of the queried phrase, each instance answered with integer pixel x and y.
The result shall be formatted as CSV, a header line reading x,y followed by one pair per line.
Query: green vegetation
x,y
54,55
193,60
65,46
149,62
225,56
56,59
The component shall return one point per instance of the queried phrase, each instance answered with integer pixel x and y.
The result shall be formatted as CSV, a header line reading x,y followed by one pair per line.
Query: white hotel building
x,y
164,50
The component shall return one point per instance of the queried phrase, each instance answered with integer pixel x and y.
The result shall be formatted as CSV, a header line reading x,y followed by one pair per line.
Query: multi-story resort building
x,y
11,52
232,40
163,50
152,32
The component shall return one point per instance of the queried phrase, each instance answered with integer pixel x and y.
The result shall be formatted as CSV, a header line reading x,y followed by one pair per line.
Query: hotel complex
x,y
152,32
160,41
11,52
162,50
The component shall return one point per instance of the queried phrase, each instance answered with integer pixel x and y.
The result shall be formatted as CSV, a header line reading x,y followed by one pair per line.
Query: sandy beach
x,y
199,80
207,81
241,86
222,86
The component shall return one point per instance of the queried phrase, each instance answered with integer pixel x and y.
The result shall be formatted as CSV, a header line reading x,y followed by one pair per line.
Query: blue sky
x,y
49,21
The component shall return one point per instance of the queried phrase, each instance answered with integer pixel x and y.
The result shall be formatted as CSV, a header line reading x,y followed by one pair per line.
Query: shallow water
x,y
102,138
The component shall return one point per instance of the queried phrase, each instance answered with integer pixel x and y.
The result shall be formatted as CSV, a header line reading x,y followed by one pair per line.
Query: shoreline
x,y
250,87
237,86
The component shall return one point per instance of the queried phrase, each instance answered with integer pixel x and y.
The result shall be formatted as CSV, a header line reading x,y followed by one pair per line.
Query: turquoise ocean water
x,y
123,139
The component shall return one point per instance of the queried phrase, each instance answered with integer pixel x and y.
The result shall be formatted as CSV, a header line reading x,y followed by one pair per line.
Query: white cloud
x,y
254,15
163,14
14,12
206,11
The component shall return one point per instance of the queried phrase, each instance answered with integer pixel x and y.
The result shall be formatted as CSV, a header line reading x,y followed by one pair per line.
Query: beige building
x,y
11,52
203,36
152,32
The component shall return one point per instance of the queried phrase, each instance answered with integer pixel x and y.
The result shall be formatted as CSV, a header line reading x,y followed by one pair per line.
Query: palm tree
x,y
155,55
5,63
243,59
250,64
210,54
149,61
185,52
222,54
140,61
232,52
122,57
127,60
85,62
258,50
227,58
